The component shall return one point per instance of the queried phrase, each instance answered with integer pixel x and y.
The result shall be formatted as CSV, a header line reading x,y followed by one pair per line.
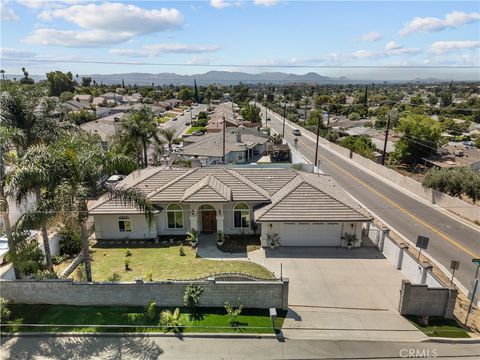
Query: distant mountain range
x,y
229,78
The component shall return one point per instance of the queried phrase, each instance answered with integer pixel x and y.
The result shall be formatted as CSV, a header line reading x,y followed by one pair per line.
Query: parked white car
x,y
114,180
3,248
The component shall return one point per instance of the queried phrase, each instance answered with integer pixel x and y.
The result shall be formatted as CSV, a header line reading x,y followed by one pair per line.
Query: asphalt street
x,y
165,347
450,239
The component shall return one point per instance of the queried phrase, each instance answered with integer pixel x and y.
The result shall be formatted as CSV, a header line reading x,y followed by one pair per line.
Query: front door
x,y
209,222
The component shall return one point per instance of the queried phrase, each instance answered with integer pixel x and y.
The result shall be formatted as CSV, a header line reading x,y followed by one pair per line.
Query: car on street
x,y
113,180
197,133
296,132
174,119
268,118
188,123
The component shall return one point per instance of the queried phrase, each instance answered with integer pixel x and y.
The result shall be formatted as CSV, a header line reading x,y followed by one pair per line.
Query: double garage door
x,y
310,234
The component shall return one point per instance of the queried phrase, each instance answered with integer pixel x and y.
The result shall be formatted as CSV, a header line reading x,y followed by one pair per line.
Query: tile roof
x,y
308,198
286,195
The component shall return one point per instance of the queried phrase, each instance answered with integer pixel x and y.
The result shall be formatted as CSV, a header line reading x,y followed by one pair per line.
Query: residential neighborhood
x,y
172,190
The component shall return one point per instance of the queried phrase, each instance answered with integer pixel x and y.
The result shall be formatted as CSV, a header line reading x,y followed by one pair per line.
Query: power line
x,y
248,65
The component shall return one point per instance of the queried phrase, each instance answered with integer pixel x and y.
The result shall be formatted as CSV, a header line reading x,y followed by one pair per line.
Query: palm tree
x,y
170,135
38,172
137,131
86,163
3,74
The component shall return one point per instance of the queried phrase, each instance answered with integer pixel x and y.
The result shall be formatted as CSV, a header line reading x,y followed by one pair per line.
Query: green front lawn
x,y
439,327
207,320
162,119
164,263
196,128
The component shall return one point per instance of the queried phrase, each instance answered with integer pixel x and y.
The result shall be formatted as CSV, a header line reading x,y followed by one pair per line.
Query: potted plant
x,y
273,240
220,237
350,240
192,237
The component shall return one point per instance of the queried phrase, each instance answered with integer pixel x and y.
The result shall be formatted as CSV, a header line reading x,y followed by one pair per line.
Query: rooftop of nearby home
x,y
105,126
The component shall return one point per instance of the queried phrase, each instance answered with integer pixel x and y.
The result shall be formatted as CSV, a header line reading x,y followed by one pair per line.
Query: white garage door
x,y
310,234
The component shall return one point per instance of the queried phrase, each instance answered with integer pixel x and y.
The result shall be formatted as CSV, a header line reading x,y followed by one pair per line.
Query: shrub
x,y
44,275
80,273
181,250
172,321
191,298
353,116
115,277
71,241
128,252
149,276
57,259
233,313
151,310
4,310
127,264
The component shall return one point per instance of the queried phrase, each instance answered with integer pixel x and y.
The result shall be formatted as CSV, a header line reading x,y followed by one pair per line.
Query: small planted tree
x,y
192,237
172,321
151,310
191,298
233,313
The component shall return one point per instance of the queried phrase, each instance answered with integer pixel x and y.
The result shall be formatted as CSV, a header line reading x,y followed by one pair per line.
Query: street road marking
x,y
436,231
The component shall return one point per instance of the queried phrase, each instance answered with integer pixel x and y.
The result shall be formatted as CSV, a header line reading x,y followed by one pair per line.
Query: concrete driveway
x,y
336,293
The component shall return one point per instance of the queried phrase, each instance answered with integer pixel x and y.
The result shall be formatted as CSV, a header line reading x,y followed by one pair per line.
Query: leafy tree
x,y
66,96
420,138
81,117
169,134
454,182
191,298
322,100
137,131
195,94
86,81
26,80
59,82
353,116
416,100
446,98
172,320
361,145
251,113
86,163
432,99
185,94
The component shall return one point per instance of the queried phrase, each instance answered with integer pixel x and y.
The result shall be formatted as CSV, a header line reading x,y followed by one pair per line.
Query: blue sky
x,y
243,36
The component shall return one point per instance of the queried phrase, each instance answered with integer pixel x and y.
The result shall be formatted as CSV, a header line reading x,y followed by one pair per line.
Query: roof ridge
x,y
294,183
107,198
167,184
248,182
208,181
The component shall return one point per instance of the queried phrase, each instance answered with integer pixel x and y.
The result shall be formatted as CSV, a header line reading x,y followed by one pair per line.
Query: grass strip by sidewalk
x,y
439,327
134,319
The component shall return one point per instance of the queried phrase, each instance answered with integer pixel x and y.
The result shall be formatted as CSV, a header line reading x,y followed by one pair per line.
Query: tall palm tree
x,y
38,172
137,131
170,135
86,162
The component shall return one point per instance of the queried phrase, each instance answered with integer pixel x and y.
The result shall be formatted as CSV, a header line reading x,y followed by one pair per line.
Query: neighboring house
x,y
105,127
113,98
73,105
304,209
242,145
99,101
85,99
102,111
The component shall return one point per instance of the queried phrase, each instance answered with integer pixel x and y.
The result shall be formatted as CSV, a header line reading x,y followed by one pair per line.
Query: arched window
x,y
124,224
241,216
175,216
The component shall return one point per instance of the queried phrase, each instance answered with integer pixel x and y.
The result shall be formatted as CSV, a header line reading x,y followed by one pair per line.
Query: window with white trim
x,y
124,224
241,216
174,216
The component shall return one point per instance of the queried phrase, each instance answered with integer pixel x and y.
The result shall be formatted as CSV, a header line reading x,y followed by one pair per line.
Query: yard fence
x,y
423,293
252,294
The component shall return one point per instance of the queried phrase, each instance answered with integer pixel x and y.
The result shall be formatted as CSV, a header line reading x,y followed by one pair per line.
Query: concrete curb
x,y
147,334
453,340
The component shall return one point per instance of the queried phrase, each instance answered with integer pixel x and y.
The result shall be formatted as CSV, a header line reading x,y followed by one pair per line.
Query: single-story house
x,y
85,99
242,145
99,101
73,105
304,209
105,127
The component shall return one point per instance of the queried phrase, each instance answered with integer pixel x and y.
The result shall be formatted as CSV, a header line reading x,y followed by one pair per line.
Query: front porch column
x,y
220,219
193,218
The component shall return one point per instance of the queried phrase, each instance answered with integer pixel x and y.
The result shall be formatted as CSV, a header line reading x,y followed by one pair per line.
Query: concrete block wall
x,y
252,294
417,299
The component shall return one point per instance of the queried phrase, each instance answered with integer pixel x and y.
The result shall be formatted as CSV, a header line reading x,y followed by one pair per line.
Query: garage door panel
x,y
310,234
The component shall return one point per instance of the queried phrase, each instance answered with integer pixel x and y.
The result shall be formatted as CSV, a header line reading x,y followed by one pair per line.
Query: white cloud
x,y
72,38
442,47
220,4
201,60
265,2
452,20
15,53
47,4
391,49
392,45
104,24
7,13
368,54
159,49
371,36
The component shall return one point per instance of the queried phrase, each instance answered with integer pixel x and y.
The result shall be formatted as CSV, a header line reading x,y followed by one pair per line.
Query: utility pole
x,y
224,128
284,118
390,114
316,146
